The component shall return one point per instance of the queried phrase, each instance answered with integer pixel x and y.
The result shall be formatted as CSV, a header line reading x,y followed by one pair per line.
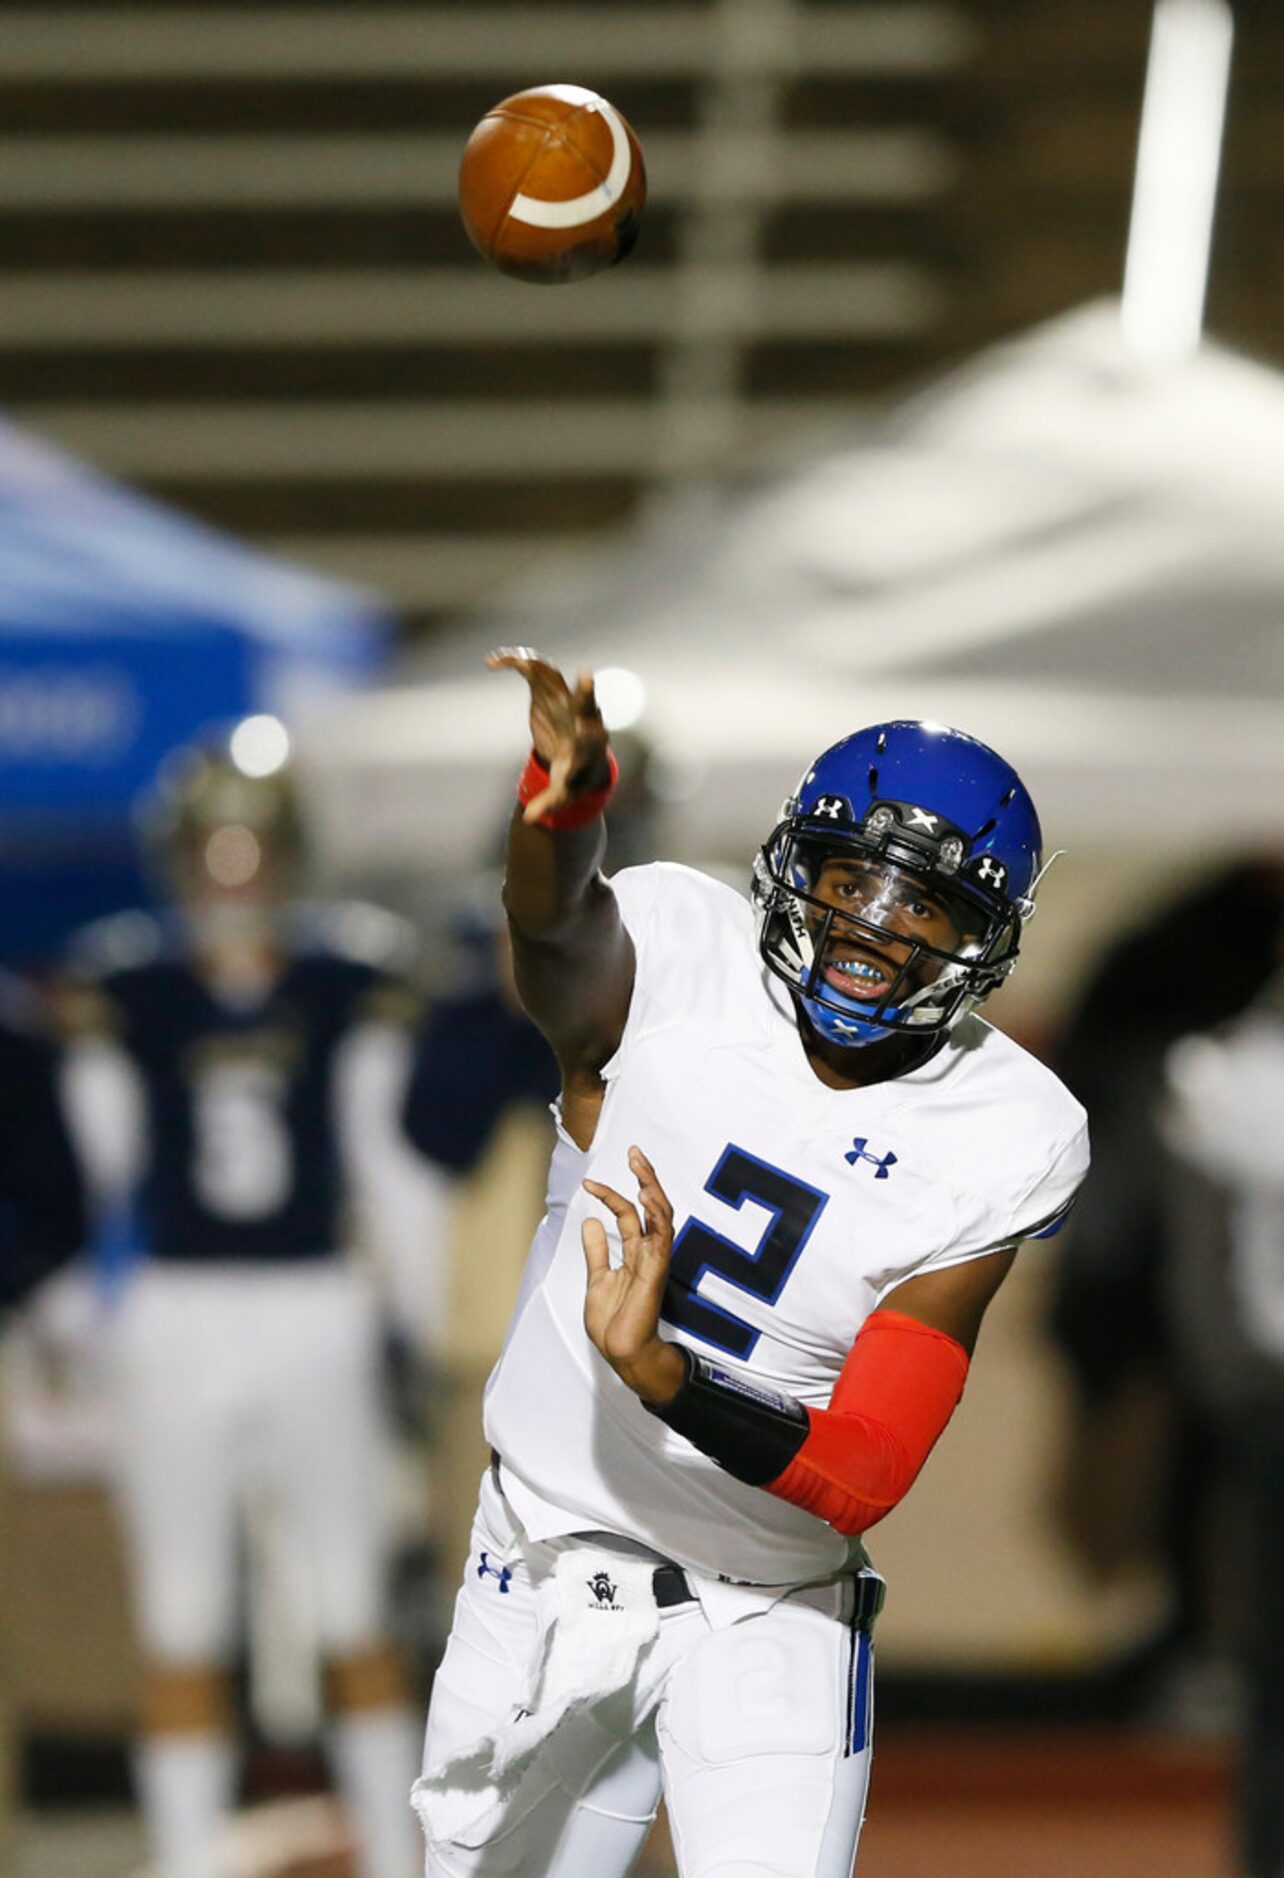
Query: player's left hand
x,y
622,1303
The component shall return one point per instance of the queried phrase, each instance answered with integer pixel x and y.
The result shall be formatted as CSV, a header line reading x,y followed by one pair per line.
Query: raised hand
x,y
566,729
622,1303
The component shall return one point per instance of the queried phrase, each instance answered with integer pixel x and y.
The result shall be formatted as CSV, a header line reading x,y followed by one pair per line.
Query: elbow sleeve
x,y
860,1456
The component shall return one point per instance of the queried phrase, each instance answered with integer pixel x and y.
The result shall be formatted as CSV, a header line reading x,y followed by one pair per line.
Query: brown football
x,y
552,184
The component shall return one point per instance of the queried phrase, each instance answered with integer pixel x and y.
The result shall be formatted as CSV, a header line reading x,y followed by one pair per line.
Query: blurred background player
x,y
42,1212
236,1071
42,1226
1146,1475
1225,1294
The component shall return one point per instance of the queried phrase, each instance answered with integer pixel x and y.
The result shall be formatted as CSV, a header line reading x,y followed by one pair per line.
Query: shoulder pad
x,y
122,942
363,934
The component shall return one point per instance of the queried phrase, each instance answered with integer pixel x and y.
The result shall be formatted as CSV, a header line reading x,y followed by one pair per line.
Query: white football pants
x,y
758,1732
230,1379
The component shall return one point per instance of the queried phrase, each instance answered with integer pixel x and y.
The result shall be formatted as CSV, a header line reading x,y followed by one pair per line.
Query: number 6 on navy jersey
x,y
762,1271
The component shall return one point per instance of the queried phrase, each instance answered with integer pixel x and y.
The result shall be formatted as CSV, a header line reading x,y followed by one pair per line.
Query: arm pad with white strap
x,y
752,1432
850,1463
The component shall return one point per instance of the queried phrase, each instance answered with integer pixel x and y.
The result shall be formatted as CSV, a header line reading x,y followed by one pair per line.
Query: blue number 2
x,y
761,1272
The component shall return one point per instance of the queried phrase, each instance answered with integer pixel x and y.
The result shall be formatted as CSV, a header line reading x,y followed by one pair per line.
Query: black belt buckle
x,y
671,1586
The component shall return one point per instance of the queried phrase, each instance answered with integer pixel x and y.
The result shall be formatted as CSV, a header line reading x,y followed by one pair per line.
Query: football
x,y
552,185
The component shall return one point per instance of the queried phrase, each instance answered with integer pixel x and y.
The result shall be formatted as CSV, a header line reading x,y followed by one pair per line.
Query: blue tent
x,y
125,628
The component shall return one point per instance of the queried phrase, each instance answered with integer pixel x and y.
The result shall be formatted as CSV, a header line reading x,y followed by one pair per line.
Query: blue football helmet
x,y
892,892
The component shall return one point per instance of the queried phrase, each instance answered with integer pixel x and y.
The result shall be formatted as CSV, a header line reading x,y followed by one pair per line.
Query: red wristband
x,y
574,814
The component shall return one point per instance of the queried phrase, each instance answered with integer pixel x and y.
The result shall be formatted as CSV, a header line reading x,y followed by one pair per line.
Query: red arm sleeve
x,y
862,1454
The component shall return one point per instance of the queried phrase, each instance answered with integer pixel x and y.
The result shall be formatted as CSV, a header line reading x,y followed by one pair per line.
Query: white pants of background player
x,y
758,1731
238,1384
235,1383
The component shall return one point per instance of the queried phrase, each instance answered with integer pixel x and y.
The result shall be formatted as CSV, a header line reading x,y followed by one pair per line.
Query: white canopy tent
x,y
1073,557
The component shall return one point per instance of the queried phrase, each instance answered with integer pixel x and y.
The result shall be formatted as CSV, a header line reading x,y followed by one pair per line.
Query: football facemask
x,y
870,946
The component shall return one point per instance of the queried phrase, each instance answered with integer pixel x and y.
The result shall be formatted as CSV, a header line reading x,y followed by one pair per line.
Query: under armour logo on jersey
x,y
487,1570
992,873
857,1152
830,808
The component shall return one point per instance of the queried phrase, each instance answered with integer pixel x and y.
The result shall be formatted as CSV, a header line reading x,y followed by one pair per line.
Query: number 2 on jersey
x,y
762,1271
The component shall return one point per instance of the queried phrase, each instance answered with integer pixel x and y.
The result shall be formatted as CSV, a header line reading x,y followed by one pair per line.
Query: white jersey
x,y
797,1209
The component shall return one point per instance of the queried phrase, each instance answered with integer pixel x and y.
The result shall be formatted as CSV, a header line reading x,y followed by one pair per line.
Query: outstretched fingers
x,y
625,1212
623,1306
655,1201
597,1253
584,696
646,1229
513,659
557,732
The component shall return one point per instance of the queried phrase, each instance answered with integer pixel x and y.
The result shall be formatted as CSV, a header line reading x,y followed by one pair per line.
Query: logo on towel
x,y
858,1152
487,1570
603,1590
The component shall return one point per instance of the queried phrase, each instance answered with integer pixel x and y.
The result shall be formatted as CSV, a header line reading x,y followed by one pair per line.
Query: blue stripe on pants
x,y
862,1689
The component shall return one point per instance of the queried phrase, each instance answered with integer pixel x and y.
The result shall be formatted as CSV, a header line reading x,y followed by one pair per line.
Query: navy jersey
x,y
475,1056
42,1206
241,1159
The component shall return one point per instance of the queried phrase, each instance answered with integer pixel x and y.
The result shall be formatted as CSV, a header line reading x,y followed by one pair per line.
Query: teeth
x,y
856,968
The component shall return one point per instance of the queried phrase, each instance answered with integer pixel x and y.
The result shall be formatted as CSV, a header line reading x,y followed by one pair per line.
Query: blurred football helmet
x,y
229,844
892,892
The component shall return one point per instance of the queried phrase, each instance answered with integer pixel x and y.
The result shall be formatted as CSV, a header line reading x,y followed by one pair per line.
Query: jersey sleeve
x,y
1034,1204
109,980
695,961
401,1202
1045,1207
636,891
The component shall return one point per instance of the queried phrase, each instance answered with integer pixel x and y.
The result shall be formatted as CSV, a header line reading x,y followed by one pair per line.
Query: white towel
x,y
597,1615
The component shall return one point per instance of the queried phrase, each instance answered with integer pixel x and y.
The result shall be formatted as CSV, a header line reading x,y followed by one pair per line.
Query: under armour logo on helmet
x,y
992,873
832,808
920,818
